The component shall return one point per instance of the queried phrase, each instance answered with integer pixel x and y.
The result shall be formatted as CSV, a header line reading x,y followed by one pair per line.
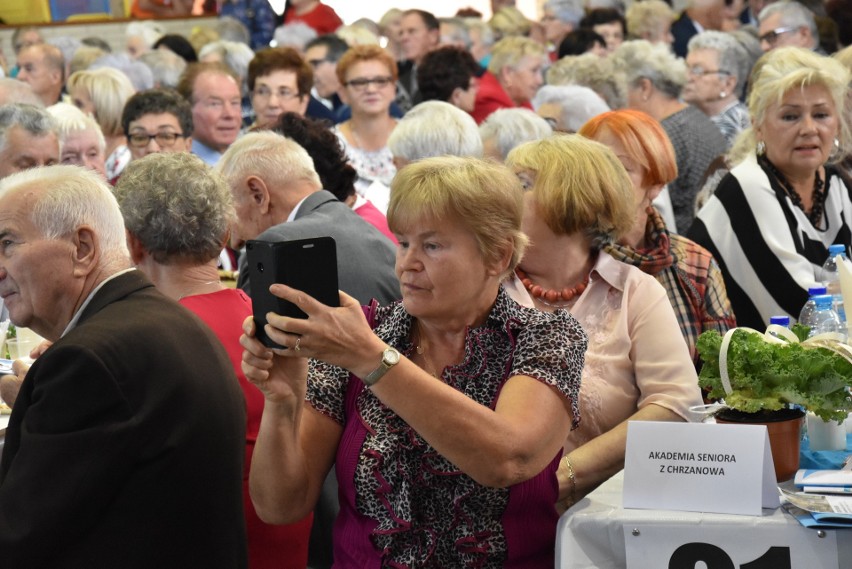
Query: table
x,y
591,533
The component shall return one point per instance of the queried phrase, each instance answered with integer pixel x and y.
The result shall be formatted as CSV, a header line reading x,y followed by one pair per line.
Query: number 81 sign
x,y
730,546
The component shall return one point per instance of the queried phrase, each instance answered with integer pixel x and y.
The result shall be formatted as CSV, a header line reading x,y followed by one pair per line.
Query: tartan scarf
x,y
654,259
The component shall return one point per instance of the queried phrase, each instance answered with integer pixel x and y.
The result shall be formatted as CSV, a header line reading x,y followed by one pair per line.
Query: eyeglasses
x,y
361,83
164,139
698,71
772,36
285,94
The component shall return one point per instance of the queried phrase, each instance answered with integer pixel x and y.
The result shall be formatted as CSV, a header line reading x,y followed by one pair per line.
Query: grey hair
x,y
166,66
149,31
435,128
577,104
268,155
14,91
793,15
460,31
297,35
235,55
176,206
35,120
231,29
733,58
72,197
69,119
139,74
568,11
508,128
640,59
486,33
597,73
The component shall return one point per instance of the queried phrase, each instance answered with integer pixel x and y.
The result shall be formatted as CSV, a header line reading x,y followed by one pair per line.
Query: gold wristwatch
x,y
390,357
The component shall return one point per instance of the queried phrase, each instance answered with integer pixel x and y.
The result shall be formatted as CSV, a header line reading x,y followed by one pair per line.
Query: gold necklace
x,y
421,349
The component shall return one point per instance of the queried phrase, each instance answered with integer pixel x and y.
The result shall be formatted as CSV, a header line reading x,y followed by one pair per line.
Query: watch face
x,y
390,357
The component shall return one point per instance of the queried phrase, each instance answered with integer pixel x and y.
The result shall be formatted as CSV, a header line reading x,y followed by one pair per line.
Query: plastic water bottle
x,y
806,316
825,318
831,278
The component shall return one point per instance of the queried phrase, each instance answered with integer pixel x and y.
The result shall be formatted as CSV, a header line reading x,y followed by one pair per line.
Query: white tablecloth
x,y
591,534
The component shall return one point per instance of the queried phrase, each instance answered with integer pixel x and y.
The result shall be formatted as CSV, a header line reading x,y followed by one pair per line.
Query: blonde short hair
x,y
597,73
508,52
109,90
486,197
647,17
275,159
579,185
786,68
509,21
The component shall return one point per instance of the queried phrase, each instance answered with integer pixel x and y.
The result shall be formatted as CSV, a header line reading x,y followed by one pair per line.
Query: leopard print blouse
x,y
422,510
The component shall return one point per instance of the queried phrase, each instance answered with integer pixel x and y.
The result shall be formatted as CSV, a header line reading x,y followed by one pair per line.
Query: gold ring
x,y
296,347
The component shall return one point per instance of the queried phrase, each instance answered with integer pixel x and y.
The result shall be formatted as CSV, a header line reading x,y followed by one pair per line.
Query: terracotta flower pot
x,y
785,435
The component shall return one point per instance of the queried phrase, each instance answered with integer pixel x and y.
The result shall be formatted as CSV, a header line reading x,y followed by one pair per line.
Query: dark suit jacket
x,y
682,30
365,257
126,443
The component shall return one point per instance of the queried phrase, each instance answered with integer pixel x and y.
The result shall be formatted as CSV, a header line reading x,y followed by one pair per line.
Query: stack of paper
x,y
825,499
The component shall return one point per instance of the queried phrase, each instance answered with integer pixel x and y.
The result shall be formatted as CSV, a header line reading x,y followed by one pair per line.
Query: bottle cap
x,y
816,290
837,249
823,301
780,320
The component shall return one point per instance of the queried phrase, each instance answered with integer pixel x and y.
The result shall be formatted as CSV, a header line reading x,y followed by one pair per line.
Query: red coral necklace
x,y
547,295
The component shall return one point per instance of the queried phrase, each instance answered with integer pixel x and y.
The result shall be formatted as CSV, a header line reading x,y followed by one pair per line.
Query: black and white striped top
x,y
768,250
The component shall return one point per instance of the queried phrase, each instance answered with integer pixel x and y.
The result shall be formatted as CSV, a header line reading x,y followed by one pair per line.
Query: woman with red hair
x,y
688,272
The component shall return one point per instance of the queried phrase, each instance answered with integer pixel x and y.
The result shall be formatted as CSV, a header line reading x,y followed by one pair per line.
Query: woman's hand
x,y
340,336
280,379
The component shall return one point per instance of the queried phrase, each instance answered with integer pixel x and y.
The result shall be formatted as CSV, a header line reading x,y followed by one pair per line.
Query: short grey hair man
x,y
505,129
787,23
28,138
567,11
434,128
568,107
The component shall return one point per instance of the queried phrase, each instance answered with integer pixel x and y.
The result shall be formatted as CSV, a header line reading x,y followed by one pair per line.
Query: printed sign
x,y
699,467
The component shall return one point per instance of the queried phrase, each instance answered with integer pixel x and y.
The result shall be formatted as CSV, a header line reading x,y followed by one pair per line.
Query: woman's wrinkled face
x,y
440,269
705,80
799,132
523,80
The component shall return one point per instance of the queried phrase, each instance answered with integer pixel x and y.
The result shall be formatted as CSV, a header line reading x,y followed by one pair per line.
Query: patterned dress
x,y
405,505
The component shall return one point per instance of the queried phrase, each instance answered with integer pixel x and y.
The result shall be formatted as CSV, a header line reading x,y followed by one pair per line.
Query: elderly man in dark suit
x,y
125,444
278,197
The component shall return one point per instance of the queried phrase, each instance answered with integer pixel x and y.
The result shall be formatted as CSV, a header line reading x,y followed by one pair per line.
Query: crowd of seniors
x,y
565,279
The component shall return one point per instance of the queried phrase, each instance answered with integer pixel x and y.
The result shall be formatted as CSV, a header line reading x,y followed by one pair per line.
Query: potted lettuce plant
x,y
768,378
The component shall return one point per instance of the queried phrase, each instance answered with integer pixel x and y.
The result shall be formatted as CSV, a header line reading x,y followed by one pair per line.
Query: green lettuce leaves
x,y
769,376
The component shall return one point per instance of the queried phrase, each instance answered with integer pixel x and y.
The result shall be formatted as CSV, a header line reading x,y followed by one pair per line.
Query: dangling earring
x,y
835,151
761,148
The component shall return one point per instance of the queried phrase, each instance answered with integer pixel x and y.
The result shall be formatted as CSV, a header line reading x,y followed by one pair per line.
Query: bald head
x,y
42,66
14,91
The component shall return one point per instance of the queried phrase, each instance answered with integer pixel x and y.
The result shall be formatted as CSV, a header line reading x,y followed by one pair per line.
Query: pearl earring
x,y
722,95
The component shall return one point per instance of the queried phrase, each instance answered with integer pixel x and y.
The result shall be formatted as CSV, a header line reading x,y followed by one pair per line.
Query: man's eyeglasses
x,y
698,71
361,83
771,37
264,92
164,139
